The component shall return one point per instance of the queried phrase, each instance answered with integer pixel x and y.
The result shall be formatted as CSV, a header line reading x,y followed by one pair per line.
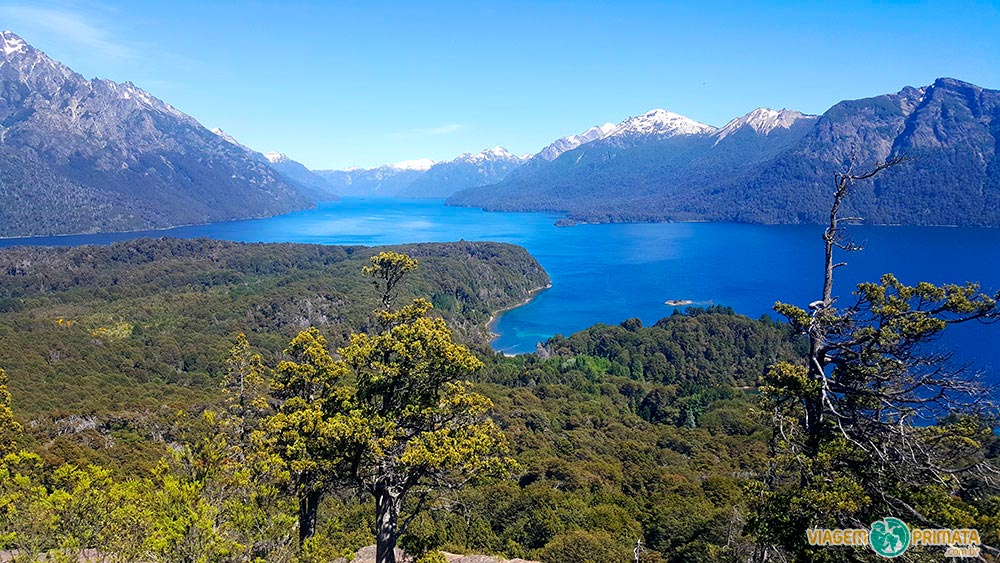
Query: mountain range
x,y
773,166
382,181
310,183
79,155
467,171
425,178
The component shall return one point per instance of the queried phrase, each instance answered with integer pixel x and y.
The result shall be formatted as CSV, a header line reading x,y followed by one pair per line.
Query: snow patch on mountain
x,y
763,121
129,91
31,63
569,143
661,123
488,155
415,164
276,157
11,43
226,136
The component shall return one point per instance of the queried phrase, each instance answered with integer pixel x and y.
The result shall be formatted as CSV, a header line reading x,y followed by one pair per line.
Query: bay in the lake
x,y
607,273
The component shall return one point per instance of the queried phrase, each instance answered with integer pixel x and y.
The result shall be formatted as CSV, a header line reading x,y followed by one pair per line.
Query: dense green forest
x,y
132,440
161,314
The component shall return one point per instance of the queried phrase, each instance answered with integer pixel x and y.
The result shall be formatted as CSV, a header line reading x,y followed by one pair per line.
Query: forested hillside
x,y
160,315
125,362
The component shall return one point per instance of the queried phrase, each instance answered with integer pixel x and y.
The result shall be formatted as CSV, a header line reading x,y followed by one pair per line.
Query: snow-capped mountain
x,y
564,144
775,166
639,156
276,157
659,123
95,155
420,164
656,139
381,181
763,121
466,171
490,155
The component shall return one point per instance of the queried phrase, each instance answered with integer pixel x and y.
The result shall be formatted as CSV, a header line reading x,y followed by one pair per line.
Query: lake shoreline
x,y
565,221
495,315
610,272
156,230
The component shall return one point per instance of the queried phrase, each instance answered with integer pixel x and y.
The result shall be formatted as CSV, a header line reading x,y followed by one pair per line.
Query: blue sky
x,y
364,83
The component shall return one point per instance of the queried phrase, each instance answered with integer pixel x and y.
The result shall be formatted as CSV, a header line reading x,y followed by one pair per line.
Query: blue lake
x,y
607,273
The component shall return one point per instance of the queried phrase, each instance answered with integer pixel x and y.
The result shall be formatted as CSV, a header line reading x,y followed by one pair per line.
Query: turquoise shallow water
x,y
607,273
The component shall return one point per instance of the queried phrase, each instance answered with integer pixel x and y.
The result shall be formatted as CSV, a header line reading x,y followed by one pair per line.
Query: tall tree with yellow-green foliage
x,y
9,427
423,427
391,416
309,430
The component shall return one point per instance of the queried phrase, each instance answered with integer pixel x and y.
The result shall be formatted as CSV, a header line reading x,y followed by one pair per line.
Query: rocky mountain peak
x,y
276,157
569,143
763,121
661,123
496,153
11,43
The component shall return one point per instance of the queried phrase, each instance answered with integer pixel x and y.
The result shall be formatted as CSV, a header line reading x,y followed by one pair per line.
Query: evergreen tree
x,y
420,425
245,389
853,436
308,431
9,427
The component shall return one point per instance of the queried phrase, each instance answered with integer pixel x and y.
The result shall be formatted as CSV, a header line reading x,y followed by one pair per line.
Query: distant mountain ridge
x,y
466,171
657,124
381,181
308,182
80,155
569,143
776,166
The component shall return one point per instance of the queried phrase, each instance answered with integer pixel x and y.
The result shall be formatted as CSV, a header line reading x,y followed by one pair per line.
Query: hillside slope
x,y
148,322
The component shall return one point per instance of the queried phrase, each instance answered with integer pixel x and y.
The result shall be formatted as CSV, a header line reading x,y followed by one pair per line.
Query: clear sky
x,y
365,83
